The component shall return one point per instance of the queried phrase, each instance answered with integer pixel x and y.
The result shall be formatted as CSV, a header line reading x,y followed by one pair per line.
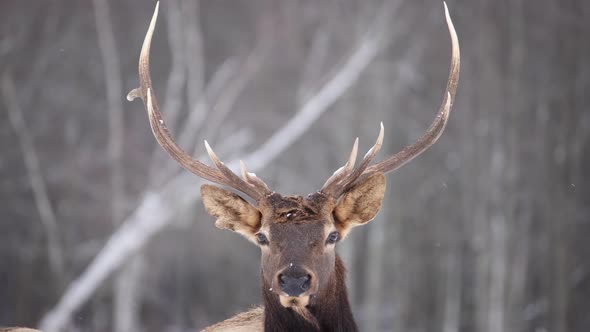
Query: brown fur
x,y
297,229
293,209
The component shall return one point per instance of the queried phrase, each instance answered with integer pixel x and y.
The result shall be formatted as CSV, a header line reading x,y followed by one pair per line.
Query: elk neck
x,y
330,307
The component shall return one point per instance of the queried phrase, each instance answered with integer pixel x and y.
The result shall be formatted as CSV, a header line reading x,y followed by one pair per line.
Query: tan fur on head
x,y
360,204
232,211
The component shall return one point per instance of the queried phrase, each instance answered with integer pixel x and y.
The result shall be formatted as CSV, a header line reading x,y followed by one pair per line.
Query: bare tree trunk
x,y
559,222
451,321
480,237
498,275
499,168
517,207
126,291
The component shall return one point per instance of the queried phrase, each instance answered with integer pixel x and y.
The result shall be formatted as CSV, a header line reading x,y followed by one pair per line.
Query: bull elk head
x,y
303,284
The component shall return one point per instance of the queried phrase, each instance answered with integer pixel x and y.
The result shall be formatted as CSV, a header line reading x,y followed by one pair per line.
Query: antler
x,y
345,177
250,185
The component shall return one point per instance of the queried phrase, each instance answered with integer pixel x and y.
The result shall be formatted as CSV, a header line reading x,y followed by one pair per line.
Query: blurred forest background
x,y
487,231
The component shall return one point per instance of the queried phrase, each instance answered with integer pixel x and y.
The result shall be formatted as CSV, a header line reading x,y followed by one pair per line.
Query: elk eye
x,y
333,238
261,238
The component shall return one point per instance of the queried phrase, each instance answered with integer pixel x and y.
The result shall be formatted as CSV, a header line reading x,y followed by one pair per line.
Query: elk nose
x,y
294,284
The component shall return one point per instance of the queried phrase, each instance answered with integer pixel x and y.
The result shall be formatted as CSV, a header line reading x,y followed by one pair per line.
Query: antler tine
x,y
234,180
345,170
438,125
252,179
222,174
337,188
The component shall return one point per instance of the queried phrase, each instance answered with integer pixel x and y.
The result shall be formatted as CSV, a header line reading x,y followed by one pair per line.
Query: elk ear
x,y
360,204
232,211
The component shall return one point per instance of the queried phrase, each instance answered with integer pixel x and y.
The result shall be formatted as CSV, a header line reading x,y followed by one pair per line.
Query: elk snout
x,y
294,281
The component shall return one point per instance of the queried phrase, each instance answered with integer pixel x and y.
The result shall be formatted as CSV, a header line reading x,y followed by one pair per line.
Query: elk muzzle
x,y
295,281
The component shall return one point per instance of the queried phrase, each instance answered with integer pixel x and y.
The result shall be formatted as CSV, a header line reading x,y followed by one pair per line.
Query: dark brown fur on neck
x,y
330,308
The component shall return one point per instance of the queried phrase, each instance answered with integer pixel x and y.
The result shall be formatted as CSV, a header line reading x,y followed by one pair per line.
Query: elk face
x,y
297,236
296,258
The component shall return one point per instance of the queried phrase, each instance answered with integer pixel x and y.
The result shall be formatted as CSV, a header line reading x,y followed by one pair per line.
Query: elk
x,y
302,276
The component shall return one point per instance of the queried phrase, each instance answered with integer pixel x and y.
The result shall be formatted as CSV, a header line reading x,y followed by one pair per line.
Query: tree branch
x,y
113,87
